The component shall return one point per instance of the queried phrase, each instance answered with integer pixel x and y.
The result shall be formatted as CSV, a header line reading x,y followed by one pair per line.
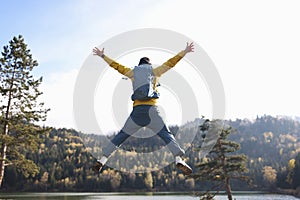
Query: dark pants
x,y
144,116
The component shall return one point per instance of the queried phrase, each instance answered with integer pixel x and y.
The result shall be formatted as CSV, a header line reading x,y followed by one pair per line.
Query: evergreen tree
x,y
19,108
219,167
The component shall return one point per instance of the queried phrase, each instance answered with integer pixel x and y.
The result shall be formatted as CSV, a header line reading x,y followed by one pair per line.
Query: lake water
x,y
132,196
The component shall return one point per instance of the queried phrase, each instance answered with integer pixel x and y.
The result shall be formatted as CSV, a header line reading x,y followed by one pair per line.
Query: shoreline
x,y
292,192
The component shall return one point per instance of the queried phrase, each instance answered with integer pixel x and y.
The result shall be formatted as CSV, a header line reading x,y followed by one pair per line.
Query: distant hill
x,y
65,158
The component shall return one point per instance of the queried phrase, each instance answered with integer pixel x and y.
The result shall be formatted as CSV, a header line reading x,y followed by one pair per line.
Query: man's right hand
x,y
98,52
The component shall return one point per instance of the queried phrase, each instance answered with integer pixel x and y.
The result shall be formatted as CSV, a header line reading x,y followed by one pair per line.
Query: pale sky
x,y
255,46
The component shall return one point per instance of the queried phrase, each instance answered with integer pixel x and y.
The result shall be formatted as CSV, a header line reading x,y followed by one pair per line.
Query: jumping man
x,y
145,113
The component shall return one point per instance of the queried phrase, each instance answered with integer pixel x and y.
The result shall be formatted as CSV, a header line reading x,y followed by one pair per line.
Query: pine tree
x,y
219,167
20,109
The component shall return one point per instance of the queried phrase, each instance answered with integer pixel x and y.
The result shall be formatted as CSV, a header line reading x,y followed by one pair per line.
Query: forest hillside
x,y
64,159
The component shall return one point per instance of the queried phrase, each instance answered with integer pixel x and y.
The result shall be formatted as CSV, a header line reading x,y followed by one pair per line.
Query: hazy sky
x,y
255,45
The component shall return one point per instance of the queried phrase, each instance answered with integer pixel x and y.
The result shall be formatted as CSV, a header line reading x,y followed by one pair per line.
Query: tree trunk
x,y
3,157
5,129
228,189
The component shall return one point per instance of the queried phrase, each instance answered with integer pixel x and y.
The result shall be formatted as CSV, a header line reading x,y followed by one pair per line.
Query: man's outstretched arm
x,y
120,68
173,61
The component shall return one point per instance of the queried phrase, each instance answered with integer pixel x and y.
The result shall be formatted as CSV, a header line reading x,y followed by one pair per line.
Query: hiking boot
x,y
97,167
99,164
185,168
